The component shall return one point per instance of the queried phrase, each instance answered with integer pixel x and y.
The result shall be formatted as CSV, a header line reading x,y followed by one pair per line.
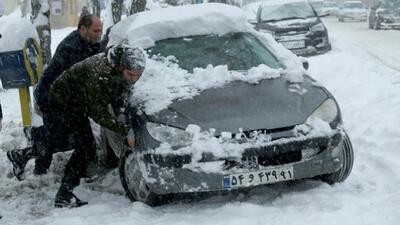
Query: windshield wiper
x,y
287,18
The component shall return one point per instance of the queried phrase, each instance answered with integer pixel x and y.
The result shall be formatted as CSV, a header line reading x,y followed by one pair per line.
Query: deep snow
x,y
365,82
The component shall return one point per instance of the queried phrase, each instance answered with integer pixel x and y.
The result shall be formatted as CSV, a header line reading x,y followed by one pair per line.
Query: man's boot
x,y
66,199
19,158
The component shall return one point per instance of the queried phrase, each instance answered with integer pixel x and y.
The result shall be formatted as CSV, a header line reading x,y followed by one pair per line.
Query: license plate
x,y
294,44
268,176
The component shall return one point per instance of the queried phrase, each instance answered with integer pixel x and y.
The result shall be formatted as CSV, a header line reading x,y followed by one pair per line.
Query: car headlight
x,y
318,27
327,112
166,134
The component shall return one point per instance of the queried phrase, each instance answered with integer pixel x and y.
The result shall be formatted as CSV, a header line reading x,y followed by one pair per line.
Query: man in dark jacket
x,y
77,46
85,90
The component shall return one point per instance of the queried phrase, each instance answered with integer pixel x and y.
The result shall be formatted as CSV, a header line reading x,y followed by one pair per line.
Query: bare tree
x,y
137,6
41,19
117,8
95,7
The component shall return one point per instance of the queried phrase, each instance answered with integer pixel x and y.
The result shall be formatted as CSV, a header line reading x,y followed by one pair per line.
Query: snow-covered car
x,y
385,15
222,107
354,10
330,7
294,24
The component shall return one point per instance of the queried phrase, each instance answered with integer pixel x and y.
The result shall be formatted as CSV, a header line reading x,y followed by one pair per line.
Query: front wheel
x,y
347,159
132,179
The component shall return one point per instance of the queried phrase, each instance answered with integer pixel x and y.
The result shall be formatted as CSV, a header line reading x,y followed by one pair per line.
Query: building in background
x,y
64,13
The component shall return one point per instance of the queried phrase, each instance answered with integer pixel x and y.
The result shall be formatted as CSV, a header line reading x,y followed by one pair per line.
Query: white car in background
x,y
330,8
354,10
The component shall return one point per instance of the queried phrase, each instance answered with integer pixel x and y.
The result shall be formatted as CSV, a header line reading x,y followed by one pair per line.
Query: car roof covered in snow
x,y
281,2
14,31
145,28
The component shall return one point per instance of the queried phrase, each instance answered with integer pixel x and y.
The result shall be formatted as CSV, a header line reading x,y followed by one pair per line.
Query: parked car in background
x,y
330,7
353,10
384,15
167,161
294,24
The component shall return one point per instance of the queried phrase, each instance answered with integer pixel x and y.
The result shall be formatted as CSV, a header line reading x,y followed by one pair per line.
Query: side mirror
x,y
305,63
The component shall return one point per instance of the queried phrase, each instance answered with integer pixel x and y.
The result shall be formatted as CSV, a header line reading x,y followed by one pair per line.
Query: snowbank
x,y
14,31
145,28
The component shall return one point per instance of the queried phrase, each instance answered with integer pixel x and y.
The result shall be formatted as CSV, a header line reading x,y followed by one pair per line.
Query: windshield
x,y
239,51
287,11
353,5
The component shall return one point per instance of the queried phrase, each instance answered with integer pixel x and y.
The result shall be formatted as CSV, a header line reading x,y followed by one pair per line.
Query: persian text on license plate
x,y
294,44
259,177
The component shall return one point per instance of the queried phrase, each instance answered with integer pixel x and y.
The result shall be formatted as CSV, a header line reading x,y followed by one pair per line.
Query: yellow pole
x,y
25,100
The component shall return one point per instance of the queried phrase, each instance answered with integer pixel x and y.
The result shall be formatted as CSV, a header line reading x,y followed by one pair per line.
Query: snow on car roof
x,y
281,2
14,31
144,29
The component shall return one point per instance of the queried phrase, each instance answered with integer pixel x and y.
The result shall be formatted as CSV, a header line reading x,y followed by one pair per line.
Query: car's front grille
x,y
250,133
292,31
279,159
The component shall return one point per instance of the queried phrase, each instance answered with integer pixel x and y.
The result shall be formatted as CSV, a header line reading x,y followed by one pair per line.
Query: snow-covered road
x,y
362,73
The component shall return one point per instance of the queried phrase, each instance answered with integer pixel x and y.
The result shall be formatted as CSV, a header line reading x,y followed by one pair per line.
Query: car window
x,y
239,51
287,11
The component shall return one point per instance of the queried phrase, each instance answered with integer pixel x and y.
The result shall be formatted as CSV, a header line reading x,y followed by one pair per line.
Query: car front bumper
x,y
355,16
165,174
313,45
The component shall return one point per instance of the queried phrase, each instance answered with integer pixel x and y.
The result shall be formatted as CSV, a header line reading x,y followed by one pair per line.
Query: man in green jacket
x,y
85,91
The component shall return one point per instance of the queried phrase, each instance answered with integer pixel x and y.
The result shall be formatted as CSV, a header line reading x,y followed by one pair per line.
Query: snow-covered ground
x,y
360,71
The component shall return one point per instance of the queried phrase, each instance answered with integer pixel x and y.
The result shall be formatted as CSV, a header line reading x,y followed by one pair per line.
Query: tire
x,y
348,160
136,191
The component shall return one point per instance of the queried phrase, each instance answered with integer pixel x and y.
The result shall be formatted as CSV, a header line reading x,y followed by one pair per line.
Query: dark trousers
x,y
43,160
66,120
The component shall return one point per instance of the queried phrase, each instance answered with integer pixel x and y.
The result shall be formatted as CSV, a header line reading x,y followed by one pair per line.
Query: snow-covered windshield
x,y
353,5
239,51
287,11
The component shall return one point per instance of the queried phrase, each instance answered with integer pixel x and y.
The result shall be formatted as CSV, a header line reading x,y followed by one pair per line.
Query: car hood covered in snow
x,y
271,104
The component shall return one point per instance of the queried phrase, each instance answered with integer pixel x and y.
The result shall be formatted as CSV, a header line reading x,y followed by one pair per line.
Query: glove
x,y
130,137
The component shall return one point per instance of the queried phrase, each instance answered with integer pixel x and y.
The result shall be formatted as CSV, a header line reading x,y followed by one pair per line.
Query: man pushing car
x,y
85,90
